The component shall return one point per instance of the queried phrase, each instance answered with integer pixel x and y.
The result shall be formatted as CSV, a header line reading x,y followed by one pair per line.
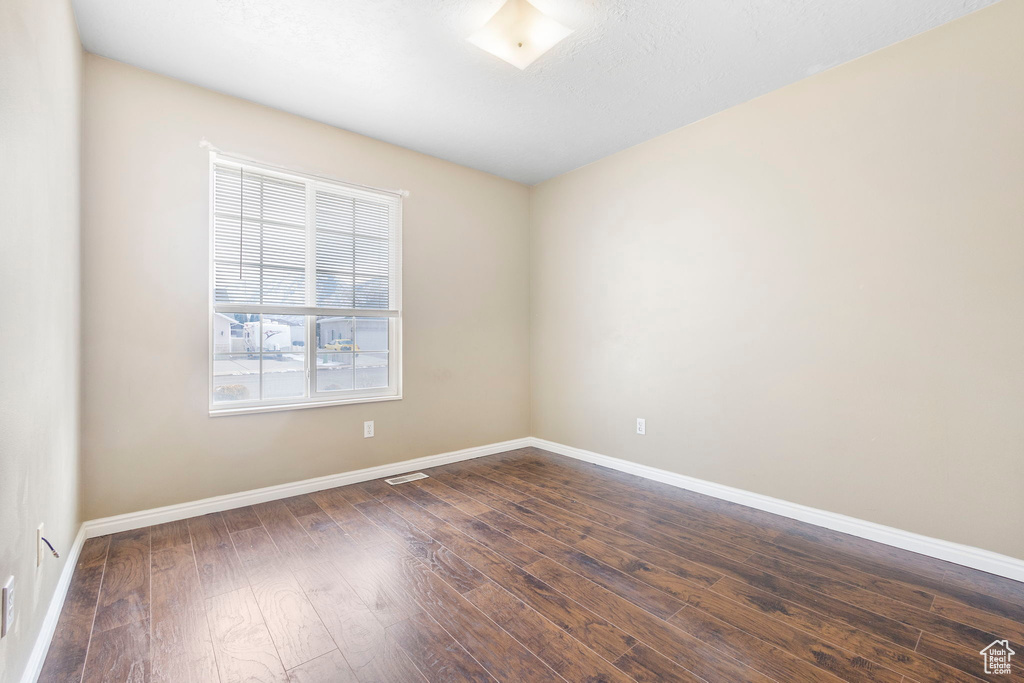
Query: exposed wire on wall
x,y
50,546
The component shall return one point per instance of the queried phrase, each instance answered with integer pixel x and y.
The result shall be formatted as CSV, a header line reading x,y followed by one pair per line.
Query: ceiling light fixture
x,y
519,33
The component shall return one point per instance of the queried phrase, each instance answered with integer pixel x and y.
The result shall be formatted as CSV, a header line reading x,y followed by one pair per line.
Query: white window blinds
x,y
260,243
259,237
352,254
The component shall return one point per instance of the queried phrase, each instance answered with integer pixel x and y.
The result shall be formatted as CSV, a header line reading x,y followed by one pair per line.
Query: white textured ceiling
x,y
401,71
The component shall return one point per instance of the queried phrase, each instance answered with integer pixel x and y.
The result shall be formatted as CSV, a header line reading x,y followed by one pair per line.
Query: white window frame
x,y
312,398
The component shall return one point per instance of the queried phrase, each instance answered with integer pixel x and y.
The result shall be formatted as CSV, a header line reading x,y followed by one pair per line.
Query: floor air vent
x,y
406,477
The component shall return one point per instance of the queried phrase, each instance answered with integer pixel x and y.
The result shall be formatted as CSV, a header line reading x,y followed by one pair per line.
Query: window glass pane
x,y
353,252
284,375
371,334
333,288
236,266
334,372
283,333
283,286
275,199
371,257
371,218
334,212
371,370
334,250
371,291
236,378
229,331
335,333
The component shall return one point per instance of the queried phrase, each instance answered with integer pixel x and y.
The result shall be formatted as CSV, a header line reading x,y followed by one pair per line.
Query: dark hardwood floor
x,y
523,566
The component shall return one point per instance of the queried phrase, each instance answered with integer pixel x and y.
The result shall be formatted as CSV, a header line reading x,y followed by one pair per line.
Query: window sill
x,y
245,410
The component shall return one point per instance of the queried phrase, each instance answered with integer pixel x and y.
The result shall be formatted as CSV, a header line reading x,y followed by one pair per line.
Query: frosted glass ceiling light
x,y
519,33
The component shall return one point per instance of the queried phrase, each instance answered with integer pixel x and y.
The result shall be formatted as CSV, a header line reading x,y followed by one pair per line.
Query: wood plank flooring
x,y
522,566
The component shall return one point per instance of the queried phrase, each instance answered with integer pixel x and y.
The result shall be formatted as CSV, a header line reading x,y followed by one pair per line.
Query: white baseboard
x,y
35,660
171,513
968,556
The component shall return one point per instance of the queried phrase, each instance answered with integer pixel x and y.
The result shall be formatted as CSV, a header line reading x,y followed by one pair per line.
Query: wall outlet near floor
x,y
39,545
368,429
641,426
6,607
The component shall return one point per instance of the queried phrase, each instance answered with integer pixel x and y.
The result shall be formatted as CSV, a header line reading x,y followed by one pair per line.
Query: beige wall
x,y
40,97
817,295
147,437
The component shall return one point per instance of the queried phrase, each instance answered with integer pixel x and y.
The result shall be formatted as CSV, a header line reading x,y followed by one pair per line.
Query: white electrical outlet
x,y
39,546
7,607
368,429
641,426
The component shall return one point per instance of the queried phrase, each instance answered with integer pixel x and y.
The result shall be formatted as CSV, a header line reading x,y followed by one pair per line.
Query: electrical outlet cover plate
x,y
641,426
368,429
6,607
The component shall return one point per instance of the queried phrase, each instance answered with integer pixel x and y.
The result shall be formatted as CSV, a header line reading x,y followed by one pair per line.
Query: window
x,y
305,290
